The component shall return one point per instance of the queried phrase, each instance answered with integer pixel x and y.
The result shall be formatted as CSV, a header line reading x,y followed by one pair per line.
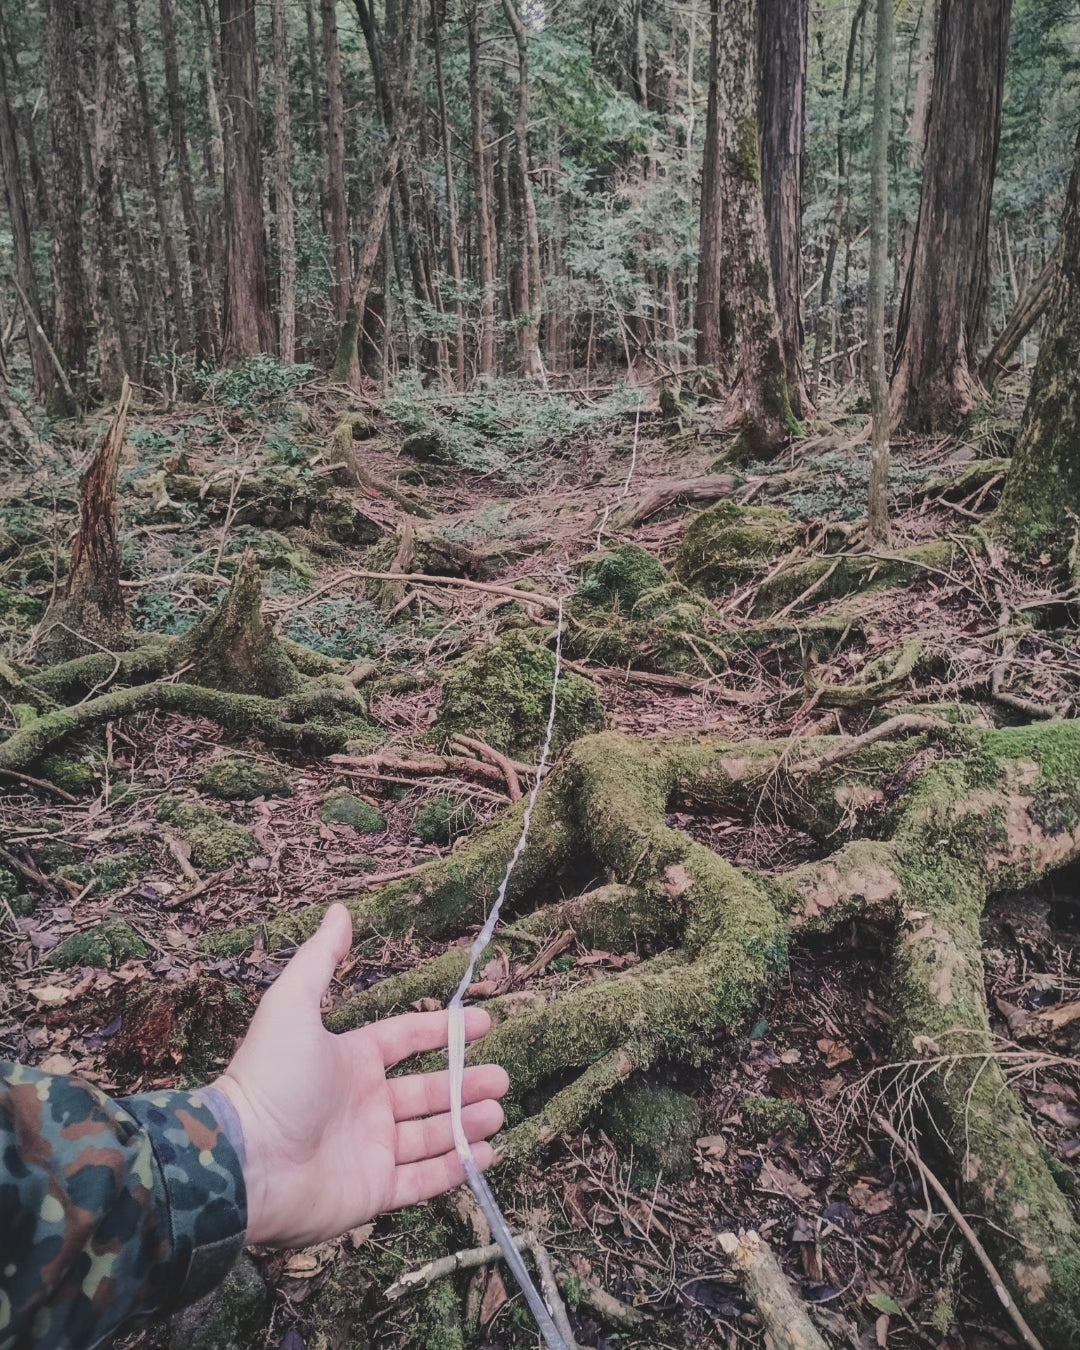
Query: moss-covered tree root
x,y
928,838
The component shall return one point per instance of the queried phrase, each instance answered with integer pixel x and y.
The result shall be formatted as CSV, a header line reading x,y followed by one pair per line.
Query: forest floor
x,y
850,1221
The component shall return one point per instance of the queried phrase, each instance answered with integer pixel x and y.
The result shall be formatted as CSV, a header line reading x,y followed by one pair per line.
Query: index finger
x,y
413,1033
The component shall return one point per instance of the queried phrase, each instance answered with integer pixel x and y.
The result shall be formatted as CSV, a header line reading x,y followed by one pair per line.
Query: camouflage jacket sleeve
x,y
108,1208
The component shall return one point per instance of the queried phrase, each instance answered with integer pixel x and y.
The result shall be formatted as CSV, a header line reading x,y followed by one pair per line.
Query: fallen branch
x,y
684,682
422,765
40,783
786,1320
707,489
493,756
902,724
360,574
913,1157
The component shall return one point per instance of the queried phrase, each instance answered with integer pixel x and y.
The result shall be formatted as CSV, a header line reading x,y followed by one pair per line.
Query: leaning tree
x,y
1039,513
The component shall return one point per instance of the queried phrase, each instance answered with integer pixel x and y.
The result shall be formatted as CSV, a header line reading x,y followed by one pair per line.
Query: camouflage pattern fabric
x,y
108,1208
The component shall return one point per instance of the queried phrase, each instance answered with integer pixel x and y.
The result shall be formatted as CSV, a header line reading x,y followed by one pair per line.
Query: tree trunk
x,y
1040,506
485,230
748,349
452,238
177,299
65,128
40,361
1027,312
205,319
532,301
314,81
707,307
878,522
249,328
283,189
935,379
783,44
114,359
337,203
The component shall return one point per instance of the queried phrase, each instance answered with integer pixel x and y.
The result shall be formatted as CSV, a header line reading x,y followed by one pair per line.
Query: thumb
x,y
307,976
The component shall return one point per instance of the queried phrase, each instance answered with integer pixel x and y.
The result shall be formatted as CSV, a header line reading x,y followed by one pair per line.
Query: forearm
x,y
108,1208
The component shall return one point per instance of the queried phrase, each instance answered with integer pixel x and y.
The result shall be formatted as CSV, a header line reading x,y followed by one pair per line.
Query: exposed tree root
x,y
992,810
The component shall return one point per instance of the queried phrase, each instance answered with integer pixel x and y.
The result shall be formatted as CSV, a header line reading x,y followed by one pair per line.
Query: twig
x,y
41,783
361,574
902,723
662,681
421,764
913,1157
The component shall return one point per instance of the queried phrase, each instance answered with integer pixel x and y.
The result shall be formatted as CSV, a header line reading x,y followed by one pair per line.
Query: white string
x,y
456,1047
626,485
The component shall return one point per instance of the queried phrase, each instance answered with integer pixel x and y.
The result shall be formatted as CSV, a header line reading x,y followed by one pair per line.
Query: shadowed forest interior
x,y
367,368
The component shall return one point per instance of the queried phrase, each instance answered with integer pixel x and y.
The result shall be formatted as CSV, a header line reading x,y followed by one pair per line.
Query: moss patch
x,y
215,843
660,1124
231,1317
728,545
502,693
618,580
67,772
443,819
237,779
345,808
766,1116
106,945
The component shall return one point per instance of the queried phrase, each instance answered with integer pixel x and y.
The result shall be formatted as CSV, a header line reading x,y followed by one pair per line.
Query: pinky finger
x,y
420,1181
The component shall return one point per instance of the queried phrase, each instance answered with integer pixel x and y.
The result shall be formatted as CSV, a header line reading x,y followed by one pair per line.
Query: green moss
x,y
108,945
659,1124
114,872
618,580
54,853
231,1317
766,1116
244,779
22,906
73,775
502,693
9,884
215,843
728,545
345,808
441,820
836,577
20,608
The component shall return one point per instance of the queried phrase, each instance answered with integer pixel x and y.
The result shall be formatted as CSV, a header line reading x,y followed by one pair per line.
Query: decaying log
x,y
767,1288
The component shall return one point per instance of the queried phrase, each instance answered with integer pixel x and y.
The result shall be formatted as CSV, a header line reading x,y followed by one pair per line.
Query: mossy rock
x,y
502,693
660,1125
233,1316
729,545
106,945
215,843
346,808
766,1116
273,551
236,779
652,635
429,447
443,819
618,580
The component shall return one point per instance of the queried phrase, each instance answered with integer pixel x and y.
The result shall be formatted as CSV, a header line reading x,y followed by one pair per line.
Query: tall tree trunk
x,y
707,304
920,111
878,522
337,204
177,298
749,352
65,128
1040,507
452,245
1026,313
314,80
935,379
40,361
532,283
249,328
114,358
485,229
205,319
283,188
783,50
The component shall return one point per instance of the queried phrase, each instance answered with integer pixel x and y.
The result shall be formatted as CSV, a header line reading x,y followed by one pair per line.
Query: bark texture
x,y
249,328
935,375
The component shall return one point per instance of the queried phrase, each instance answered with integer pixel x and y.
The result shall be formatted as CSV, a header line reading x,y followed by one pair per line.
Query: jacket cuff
x,y
201,1177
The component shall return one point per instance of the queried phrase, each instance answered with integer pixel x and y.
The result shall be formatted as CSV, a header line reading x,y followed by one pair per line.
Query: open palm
x,y
331,1141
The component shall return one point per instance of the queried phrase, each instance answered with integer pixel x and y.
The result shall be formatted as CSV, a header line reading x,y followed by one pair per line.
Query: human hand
x,y
332,1141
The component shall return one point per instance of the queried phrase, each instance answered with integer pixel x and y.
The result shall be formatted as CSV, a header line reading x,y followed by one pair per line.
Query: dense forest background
x,y
545,214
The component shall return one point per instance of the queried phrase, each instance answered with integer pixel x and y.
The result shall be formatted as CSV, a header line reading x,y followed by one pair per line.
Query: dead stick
x,y
661,681
912,1155
41,783
903,722
786,1319
493,756
359,574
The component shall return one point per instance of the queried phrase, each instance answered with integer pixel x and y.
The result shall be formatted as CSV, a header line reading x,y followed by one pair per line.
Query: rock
x,y
240,779
345,808
729,545
230,1317
660,1124
443,819
618,580
106,945
501,693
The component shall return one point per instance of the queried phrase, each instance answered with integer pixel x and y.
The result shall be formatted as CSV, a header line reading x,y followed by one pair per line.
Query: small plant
x,y
341,627
259,380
